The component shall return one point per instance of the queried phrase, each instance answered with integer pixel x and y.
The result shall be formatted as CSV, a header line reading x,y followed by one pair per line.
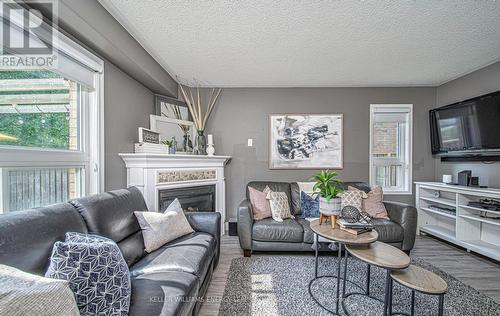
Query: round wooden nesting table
x,y
338,235
419,279
342,238
381,255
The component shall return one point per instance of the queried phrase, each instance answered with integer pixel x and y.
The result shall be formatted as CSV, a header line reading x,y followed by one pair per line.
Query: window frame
x,y
408,164
90,155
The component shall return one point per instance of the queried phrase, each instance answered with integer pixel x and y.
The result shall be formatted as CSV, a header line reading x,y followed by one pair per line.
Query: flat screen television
x,y
471,126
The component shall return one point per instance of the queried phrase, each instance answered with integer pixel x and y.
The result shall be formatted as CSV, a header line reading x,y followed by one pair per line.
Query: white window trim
x,y
409,153
91,155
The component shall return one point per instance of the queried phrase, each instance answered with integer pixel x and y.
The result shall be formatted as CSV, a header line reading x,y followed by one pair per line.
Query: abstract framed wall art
x,y
306,141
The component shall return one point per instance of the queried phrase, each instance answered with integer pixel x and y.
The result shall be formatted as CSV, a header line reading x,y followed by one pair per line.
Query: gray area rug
x,y
279,285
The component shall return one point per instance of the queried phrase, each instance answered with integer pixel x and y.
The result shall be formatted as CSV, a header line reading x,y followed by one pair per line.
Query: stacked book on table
x,y
355,228
142,148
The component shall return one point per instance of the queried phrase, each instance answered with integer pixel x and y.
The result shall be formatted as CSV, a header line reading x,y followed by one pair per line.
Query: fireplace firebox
x,y
192,199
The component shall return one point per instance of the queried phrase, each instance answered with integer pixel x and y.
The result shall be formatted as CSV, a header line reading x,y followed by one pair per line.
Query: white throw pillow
x,y
160,228
280,208
307,187
23,293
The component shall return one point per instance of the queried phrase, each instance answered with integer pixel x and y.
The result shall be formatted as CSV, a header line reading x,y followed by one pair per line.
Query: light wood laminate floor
x,y
478,272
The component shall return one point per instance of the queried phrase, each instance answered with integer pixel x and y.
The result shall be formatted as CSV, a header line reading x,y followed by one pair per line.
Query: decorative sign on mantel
x,y
148,136
186,175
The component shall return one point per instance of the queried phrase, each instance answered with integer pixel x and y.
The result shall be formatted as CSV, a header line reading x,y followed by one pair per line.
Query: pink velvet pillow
x,y
373,204
260,204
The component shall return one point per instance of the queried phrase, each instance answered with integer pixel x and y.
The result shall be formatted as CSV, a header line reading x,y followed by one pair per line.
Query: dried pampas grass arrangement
x,y
194,105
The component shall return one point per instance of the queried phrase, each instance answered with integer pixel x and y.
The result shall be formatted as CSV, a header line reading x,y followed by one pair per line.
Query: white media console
x,y
466,227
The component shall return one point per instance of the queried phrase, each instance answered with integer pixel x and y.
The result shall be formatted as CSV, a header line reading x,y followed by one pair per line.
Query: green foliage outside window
x,y
38,129
49,130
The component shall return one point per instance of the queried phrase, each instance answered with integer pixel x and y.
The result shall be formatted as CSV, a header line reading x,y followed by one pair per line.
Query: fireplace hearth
x,y
192,199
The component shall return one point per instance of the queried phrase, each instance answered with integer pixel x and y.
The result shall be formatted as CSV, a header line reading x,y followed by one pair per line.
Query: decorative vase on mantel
x,y
201,143
187,145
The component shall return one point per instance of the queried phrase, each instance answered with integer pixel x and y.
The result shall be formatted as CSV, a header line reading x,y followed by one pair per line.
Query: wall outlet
x,y
250,142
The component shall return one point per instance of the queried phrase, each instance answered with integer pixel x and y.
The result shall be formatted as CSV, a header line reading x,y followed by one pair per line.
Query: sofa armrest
x,y
406,216
245,223
207,222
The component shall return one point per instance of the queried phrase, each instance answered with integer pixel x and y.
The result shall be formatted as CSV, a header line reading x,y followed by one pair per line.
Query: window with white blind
x,y
50,128
391,147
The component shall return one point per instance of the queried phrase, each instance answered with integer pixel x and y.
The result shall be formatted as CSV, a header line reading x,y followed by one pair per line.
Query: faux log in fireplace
x,y
192,199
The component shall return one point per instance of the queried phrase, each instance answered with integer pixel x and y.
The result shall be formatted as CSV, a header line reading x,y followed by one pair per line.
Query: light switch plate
x,y
250,142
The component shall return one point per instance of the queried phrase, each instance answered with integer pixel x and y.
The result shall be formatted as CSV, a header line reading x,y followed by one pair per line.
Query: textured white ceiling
x,y
234,43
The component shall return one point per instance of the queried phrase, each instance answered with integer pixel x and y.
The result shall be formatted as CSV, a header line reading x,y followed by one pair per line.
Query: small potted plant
x,y
328,187
170,144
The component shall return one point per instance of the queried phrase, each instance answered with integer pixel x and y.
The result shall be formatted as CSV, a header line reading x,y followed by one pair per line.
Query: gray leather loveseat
x,y
296,234
168,281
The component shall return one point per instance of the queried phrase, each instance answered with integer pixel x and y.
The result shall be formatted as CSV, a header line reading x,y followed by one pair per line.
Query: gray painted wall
x,y
92,25
480,82
242,113
127,101
127,105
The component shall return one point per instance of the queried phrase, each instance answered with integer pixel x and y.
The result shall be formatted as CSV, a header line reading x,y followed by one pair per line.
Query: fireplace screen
x,y
192,199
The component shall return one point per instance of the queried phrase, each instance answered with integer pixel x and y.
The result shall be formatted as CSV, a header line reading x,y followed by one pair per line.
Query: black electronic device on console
x,y
474,181
464,177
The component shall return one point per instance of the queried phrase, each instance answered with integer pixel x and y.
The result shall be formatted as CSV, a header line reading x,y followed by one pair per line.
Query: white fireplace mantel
x,y
151,173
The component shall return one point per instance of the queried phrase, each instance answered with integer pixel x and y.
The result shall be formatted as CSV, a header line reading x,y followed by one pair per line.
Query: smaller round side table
x,y
419,279
381,255
343,238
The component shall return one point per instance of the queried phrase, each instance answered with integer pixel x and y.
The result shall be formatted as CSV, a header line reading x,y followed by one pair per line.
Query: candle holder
x,y
210,146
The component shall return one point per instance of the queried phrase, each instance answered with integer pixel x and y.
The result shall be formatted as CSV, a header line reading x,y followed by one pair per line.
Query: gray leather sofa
x,y
167,281
296,234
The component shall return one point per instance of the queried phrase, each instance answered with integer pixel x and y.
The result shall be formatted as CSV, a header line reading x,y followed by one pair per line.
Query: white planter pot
x,y
331,207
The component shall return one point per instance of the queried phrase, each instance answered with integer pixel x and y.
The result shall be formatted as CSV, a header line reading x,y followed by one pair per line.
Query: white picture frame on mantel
x,y
167,126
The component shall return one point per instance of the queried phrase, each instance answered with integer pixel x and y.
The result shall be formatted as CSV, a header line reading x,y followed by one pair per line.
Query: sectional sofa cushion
x,y
274,186
27,237
160,228
96,271
164,293
111,215
308,232
388,231
295,198
23,293
306,227
191,253
270,230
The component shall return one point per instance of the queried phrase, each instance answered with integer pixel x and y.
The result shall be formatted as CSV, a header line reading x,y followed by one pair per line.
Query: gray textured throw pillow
x,y
160,228
280,208
23,293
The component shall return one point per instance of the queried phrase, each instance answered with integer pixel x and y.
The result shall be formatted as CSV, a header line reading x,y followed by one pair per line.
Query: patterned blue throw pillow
x,y
96,271
309,205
